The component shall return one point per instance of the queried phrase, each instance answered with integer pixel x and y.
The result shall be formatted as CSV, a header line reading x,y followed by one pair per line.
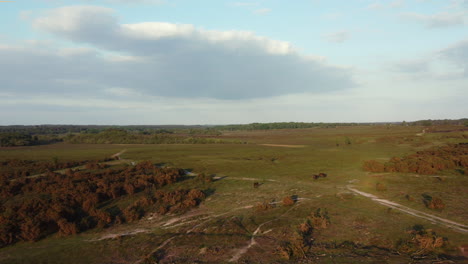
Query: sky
x,y
130,62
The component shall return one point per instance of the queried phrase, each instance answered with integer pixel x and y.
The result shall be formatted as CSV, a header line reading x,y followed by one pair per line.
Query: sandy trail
x,y
422,133
283,146
204,220
122,234
389,174
461,228
193,174
172,223
242,179
241,251
75,168
119,153
163,244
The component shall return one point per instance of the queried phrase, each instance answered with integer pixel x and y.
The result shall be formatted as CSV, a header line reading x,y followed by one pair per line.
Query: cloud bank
x,y
438,20
162,59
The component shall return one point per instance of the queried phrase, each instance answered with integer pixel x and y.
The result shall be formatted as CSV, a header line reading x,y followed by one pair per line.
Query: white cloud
x,y
411,66
69,19
375,6
439,20
79,51
338,37
262,11
171,60
397,3
244,4
332,16
155,2
123,2
121,91
448,64
457,55
381,5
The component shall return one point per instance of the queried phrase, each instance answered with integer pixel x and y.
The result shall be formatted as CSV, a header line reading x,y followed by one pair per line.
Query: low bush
x,y
264,206
421,242
380,187
288,201
427,162
433,202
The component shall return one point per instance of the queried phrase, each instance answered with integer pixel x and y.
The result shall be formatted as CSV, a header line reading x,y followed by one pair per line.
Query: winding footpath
x,y
461,228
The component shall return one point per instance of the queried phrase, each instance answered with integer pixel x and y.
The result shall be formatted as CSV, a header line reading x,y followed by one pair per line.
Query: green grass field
x,y
225,223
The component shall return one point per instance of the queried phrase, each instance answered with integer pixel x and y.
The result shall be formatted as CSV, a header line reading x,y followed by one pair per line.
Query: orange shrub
x,y
373,166
288,200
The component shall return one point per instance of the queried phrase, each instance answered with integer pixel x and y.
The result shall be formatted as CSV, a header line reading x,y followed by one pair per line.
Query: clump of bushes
x,y
409,197
163,202
422,241
203,178
16,168
373,166
264,206
425,162
380,187
433,202
95,165
302,239
298,244
320,219
69,203
288,200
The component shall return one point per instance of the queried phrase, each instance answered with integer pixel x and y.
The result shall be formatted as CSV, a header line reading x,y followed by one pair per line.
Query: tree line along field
x,y
167,134
88,208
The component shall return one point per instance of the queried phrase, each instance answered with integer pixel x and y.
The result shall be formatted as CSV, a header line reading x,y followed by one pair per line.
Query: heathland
x,y
259,193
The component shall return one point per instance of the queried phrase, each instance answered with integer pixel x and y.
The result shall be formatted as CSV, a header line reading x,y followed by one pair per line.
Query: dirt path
x,y
77,167
241,251
242,179
119,153
389,174
422,133
461,228
193,174
163,244
283,146
122,234
171,224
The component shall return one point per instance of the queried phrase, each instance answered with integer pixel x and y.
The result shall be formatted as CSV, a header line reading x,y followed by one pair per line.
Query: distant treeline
x,y
429,122
204,129
283,125
296,125
64,129
119,136
16,139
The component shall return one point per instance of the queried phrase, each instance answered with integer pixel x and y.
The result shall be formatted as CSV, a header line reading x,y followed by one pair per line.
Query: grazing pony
x,y
320,175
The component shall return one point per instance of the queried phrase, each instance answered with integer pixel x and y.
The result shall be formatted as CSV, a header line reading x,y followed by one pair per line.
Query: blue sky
x,y
214,62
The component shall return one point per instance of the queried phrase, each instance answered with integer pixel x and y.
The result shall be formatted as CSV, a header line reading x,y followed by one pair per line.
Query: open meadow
x,y
262,203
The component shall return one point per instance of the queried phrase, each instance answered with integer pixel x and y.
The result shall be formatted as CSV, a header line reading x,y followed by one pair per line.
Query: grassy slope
x,y
353,218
